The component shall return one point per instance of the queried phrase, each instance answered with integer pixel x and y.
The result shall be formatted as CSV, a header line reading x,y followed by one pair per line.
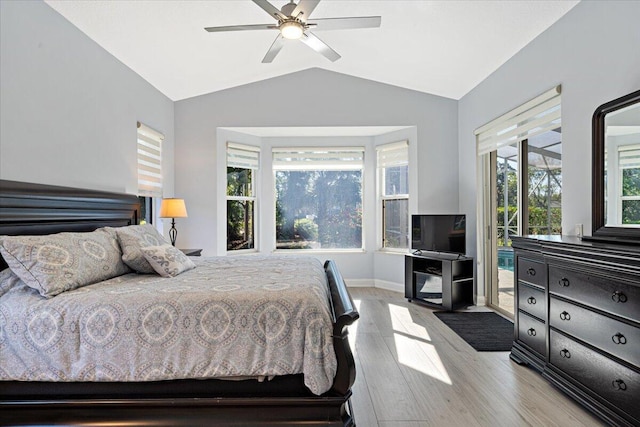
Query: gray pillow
x,y
132,239
167,261
61,262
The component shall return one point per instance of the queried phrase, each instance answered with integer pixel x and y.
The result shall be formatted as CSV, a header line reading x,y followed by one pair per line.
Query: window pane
x,y
396,223
239,182
240,224
631,211
146,211
631,182
545,184
395,180
507,178
318,209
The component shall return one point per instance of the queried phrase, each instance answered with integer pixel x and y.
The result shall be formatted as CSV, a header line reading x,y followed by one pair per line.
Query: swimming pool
x,y
505,259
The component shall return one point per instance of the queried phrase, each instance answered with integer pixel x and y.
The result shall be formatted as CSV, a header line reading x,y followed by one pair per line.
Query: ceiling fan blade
x,y
319,46
242,28
346,23
305,7
270,9
273,50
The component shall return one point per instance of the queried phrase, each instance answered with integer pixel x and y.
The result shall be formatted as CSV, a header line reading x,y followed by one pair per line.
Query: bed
x,y
86,398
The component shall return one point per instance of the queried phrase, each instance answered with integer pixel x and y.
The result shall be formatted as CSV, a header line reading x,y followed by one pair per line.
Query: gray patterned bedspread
x,y
229,317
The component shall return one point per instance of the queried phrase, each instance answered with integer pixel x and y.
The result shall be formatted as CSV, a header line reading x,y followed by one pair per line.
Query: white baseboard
x,y
390,286
372,283
360,283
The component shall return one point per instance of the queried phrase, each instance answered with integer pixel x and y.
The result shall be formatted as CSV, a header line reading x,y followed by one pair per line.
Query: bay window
x,y
393,193
243,163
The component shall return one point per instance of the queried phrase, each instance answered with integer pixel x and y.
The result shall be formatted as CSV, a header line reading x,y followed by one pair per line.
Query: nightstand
x,y
192,252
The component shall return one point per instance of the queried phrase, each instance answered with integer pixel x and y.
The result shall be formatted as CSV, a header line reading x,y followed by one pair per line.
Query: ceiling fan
x,y
294,24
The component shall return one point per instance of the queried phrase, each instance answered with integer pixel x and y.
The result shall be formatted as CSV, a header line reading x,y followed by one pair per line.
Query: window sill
x,y
243,252
319,251
388,252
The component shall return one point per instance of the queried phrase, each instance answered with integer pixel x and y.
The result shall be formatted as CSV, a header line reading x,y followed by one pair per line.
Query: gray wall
x,y
312,97
69,108
594,52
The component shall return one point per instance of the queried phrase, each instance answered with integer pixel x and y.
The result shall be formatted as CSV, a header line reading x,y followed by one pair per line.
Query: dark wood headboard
x,y
37,209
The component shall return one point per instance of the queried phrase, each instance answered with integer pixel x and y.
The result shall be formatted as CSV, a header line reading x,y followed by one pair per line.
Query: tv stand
x,y
439,280
437,254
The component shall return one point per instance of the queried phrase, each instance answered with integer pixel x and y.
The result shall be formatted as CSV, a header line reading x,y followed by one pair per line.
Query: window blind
x,y
342,158
532,118
394,154
629,156
149,161
243,156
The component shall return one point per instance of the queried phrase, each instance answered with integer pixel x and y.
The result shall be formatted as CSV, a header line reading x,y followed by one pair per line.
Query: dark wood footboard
x,y
43,209
345,314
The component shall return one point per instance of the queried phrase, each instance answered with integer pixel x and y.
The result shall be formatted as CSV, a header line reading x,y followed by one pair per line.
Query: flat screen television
x,y
439,233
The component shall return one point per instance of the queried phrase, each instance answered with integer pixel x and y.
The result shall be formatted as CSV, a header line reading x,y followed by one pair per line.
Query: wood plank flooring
x,y
413,371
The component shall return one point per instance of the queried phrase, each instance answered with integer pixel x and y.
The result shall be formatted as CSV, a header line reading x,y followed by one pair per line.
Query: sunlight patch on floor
x,y
413,347
420,356
401,320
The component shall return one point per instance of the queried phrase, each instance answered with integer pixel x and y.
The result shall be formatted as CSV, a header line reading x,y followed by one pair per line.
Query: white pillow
x,y
166,260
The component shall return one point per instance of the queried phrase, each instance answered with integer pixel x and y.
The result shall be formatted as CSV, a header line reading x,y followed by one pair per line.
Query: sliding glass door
x,y
525,198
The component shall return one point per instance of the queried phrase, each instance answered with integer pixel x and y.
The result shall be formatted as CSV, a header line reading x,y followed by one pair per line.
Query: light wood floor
x,y
412,370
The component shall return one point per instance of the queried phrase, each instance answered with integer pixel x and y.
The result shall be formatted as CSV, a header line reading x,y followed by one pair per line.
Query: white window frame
x,y
244,157
149,168
626,162
397,154
318,158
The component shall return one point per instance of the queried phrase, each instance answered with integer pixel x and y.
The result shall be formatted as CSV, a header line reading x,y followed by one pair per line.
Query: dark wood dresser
x,y
577,320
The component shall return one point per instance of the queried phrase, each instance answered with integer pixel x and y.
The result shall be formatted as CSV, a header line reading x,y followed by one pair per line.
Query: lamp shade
x,y
173,208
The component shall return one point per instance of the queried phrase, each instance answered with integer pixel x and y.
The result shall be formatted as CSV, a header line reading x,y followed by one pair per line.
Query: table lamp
x,y
173,208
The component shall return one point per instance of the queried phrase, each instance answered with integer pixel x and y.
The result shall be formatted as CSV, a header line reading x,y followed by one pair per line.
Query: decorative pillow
x,y
8,280
61,262
132,239
167,261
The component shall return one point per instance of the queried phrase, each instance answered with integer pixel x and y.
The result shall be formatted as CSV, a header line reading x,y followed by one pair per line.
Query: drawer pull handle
x,y
619,385
619,338
564,282
531,271
531,300
565,353
565,316
619,297
531,332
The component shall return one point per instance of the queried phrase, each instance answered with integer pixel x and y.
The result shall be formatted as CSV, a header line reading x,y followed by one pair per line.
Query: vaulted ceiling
x,y
440,47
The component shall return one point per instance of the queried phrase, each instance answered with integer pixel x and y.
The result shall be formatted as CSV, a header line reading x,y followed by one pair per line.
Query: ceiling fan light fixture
x,y
291,30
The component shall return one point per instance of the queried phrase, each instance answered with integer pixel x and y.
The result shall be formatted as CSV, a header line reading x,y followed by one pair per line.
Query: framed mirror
x,y
616,170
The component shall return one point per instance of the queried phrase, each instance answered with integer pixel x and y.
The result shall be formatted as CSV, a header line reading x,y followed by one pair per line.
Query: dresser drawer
x,y
617,384
533,272
532,300
611,335
532,332
607,294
